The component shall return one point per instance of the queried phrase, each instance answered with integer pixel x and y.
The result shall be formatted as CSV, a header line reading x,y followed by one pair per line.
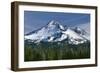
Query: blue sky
x,y
34,20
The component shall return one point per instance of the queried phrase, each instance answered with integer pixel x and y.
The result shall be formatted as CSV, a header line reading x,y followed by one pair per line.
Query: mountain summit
x,y
55,32
55,24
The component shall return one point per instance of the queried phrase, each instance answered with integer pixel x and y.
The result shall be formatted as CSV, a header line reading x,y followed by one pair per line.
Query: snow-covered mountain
x,y
54,32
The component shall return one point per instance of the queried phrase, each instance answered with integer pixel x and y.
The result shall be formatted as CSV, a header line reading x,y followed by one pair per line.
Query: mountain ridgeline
x,y
55,32
56,42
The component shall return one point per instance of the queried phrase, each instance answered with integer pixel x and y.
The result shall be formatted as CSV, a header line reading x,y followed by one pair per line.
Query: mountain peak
x,y
54,23
79,30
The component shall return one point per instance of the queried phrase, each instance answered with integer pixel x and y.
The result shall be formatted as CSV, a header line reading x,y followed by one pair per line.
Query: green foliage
x,y
55,51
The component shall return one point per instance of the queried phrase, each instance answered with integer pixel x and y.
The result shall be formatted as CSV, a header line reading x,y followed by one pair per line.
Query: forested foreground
x,y
55,51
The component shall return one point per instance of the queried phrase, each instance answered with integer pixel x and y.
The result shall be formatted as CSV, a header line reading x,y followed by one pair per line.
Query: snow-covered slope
x,y
48,32
82,33
54,32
